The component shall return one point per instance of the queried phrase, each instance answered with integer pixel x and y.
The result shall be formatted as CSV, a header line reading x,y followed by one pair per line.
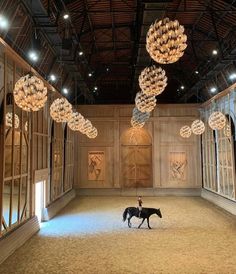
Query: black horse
x,y
145,214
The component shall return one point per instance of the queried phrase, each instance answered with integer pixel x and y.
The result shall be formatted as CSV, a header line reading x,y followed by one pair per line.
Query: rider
x,y
140,202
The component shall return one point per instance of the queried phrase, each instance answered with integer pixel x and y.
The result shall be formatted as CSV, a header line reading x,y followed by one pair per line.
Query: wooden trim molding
x,y
16,238
227,204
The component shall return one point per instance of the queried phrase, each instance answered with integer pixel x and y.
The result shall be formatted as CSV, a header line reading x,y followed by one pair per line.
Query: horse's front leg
x,y
148,223
141,223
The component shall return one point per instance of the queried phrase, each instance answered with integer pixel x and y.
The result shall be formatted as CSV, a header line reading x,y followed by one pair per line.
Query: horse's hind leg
x,y
148,223
129,223
141,223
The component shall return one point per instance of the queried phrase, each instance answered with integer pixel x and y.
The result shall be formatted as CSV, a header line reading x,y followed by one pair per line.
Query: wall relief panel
x,y
96,166
177,165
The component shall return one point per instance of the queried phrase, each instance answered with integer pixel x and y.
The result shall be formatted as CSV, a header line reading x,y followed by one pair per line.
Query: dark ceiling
x,y
111,35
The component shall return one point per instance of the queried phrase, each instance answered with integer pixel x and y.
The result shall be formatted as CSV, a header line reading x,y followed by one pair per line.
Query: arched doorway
x,y
136,159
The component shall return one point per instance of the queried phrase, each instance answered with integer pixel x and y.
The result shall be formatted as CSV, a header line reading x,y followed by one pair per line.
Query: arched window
x,y
226,159
68,159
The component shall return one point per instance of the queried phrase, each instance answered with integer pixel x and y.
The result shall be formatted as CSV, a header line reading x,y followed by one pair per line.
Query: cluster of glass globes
x,y
30,94
166,41
216,121
139,118
145,103
152,81
61,110
77,122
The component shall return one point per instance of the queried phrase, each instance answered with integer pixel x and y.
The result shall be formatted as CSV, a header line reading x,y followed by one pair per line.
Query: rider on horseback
x,y
140,202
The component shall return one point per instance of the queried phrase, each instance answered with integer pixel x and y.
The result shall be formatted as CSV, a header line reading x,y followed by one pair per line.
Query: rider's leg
x,y
139,211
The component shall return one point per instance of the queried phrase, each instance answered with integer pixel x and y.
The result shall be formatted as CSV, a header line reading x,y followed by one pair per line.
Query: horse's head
x,y
158,212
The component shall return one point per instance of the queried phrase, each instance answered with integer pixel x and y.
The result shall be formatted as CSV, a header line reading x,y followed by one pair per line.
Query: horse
x,y
145,214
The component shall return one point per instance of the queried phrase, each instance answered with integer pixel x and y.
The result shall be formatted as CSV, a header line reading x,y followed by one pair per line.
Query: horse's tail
x,y
125,214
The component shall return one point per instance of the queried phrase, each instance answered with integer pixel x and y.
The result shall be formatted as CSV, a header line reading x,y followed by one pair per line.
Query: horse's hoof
x,y
150,228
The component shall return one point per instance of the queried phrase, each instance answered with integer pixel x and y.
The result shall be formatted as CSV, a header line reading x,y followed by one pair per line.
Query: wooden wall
x,y
35,149
153,157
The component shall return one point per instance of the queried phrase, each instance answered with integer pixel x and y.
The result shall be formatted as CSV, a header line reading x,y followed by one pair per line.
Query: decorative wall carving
x,y
178,162
96,165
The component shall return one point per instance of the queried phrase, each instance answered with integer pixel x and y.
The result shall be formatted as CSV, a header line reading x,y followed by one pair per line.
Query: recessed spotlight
x,y
90,74
107,69
213,89
53,77
3,22
196,71
214,52
65,90
95,88
232,76
33,55
182,87
66,16
81,53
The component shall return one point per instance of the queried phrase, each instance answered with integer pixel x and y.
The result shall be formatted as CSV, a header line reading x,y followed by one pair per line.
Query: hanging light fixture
x,y
139,118
185,132
92,133
76,121
136,123
86,127
9,120
61,110
227,130
145,103
198,127
166,41
152,81
217,120
30,94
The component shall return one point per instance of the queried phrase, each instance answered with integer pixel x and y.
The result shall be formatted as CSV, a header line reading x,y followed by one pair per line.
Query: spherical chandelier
x,y
30,94
61,110
86,127
140,116
76,121
198,127
166,41
136,123
152,81
217,120
185,132
145,103
92,133
9,120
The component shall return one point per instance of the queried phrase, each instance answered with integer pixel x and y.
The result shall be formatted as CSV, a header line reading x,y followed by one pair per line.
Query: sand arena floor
x,y
88,236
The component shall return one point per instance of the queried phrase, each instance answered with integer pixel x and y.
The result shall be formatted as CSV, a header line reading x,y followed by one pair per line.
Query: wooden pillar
x,y
2,147
116,145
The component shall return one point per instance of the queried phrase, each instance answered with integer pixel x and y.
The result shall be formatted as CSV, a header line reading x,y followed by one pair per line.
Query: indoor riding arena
x,y
117,137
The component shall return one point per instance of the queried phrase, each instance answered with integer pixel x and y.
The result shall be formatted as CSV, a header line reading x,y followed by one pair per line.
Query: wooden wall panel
x,y
25,148
108,166
105,134
96,111
166,151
